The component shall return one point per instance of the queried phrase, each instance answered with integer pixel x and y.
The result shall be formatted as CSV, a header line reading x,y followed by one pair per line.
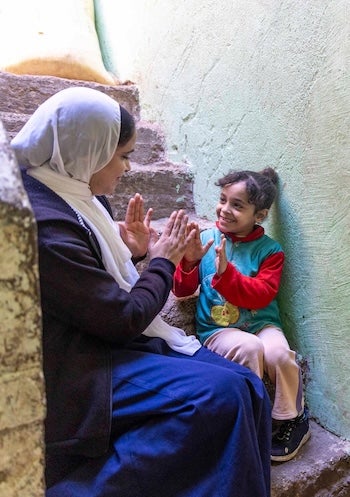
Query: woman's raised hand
x,y
135,230
174,240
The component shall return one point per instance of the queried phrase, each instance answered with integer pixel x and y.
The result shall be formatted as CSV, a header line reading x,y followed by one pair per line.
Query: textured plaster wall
x,y
250,83
22,405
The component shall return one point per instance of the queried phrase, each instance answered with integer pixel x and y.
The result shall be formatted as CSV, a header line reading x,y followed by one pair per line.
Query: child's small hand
x,y
195,250
221,259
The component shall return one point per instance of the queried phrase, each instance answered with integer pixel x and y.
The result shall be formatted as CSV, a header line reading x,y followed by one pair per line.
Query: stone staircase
x,y
322,469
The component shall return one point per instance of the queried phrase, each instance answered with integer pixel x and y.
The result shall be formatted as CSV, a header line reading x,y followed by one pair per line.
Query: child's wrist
x,y
189,265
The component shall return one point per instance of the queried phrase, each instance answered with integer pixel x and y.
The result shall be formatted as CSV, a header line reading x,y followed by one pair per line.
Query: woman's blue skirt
x,y
183,426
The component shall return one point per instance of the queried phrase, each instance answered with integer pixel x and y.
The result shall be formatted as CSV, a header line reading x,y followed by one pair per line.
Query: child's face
x,y
235,214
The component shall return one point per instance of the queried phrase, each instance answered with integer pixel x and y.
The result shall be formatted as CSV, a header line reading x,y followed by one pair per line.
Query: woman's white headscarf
x,y
71,136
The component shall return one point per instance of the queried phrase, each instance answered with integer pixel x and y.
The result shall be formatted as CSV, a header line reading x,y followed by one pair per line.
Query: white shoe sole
x,y
290,456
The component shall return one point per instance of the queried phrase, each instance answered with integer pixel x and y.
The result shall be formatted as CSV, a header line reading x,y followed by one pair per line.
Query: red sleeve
x,y
251,292
185,283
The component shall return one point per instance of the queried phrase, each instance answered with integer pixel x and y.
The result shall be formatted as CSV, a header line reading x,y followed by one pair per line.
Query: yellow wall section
x,y
51,37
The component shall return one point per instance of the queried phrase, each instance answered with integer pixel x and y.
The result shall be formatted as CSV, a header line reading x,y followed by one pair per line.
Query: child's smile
x,y
235,214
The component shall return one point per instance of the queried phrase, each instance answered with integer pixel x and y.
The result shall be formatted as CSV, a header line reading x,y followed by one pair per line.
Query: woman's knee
x,y
222,382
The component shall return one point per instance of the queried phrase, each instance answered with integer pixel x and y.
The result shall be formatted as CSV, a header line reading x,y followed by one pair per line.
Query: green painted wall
x,y
250,83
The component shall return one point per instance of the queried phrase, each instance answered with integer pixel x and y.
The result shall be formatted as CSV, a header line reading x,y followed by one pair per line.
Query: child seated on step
x,y
238,268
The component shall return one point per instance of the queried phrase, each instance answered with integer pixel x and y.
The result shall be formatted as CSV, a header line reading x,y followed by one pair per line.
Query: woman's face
x,y
104,182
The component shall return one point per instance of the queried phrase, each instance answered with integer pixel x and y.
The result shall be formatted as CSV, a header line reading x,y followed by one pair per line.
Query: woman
x,y
134,406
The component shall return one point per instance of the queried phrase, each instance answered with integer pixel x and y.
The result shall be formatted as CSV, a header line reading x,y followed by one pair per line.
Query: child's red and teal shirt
x,y
244,296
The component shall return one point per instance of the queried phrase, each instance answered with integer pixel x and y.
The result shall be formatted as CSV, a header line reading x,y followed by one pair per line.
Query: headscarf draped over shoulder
x,y
75,132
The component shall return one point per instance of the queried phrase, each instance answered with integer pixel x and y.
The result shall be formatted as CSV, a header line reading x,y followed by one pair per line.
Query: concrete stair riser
x,y
13,122
150,144
23,94
165,187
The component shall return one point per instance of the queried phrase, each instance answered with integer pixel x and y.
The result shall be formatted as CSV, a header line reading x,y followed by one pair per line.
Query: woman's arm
x,y
75,289
78,290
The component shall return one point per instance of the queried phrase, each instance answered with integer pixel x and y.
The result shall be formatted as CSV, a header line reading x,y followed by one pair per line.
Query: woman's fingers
x,y
170,224
154,236
135,209
139,208
175,238
176,225
148,218
130,211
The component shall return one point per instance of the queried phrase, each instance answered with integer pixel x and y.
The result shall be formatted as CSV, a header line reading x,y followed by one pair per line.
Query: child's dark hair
x,y
261,186
127,126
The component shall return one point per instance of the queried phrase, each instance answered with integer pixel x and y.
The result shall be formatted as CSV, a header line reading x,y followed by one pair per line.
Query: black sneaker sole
x,y
290,456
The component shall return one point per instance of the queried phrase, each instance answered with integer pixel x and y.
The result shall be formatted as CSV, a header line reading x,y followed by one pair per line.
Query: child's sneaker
x,y
290,437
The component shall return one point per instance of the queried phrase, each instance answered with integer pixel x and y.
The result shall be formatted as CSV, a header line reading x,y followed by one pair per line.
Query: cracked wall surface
x,y
240,84
22,404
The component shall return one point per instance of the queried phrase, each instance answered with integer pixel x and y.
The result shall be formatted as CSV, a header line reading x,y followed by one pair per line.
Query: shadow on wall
x,y
295,291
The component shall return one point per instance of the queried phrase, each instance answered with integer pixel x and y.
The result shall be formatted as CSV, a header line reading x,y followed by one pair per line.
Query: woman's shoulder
x,y
46,204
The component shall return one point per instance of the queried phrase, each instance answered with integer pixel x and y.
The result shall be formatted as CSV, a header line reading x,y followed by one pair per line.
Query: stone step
x,y
321,469
13,122
164,186
23,94
150,144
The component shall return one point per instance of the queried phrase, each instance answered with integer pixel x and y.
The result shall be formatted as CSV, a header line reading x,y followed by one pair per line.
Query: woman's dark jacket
x,y
85,313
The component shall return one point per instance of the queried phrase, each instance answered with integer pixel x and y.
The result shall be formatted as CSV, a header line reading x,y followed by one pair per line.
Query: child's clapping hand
x,y
221,259
195,250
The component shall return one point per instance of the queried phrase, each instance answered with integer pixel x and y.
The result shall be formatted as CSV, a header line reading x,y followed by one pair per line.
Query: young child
x,y
239,269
